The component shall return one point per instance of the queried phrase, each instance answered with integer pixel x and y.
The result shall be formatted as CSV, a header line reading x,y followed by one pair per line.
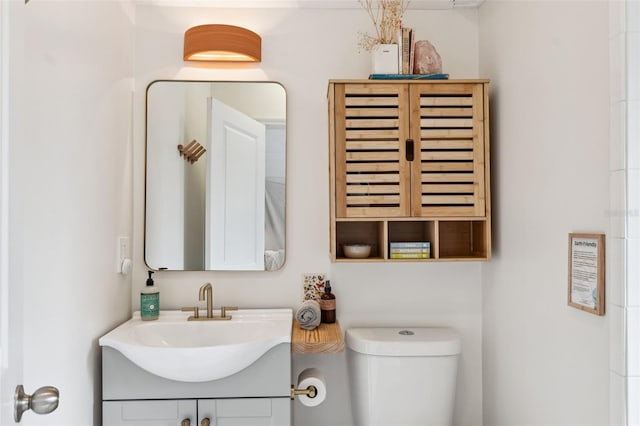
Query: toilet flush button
x,y
406,333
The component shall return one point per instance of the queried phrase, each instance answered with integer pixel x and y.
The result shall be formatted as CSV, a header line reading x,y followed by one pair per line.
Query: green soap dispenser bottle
x,y
149,301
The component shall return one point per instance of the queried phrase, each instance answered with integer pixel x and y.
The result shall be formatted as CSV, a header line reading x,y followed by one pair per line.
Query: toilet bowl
x,y
402,376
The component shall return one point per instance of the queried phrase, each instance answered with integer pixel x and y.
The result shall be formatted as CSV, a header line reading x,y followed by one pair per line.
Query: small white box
x,y
384,59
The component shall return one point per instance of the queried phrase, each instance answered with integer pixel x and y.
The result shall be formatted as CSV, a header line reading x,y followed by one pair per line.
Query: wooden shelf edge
x,y
327,338
451,258
409,81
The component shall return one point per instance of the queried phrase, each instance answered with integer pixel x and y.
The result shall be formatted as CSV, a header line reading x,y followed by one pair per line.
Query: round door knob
x,y
205,422
43,401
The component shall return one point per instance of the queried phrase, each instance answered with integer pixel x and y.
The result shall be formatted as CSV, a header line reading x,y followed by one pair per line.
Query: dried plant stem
x,y
386,16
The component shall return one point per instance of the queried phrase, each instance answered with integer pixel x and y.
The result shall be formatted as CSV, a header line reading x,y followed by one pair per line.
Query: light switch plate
x,y
123,254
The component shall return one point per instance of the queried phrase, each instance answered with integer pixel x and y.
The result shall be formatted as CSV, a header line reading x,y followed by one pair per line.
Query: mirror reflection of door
x,y
235,226
181,206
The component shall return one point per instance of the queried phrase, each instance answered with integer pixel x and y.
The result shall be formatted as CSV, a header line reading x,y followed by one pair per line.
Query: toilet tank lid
x,y
408,341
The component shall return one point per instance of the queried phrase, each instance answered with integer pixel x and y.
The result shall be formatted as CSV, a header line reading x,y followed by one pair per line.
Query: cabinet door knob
x,y
185,422
408,148
205,422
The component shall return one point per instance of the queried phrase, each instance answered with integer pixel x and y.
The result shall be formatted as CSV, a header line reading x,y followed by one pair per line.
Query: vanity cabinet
x,y
258,395
219,412
151,413
409,162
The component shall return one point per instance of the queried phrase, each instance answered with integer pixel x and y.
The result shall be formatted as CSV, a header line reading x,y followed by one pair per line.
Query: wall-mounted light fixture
x,y
222,43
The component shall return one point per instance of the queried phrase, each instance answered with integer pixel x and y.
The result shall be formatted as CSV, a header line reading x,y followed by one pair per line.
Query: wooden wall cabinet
x,y
409,162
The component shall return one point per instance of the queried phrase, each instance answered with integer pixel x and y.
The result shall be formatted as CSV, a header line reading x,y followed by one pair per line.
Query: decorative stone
x,y
426,59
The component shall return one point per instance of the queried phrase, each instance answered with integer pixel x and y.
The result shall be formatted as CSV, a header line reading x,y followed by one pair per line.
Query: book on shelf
x,y
400,48
409,255
408,76
406,45
409,250
409,244
412,50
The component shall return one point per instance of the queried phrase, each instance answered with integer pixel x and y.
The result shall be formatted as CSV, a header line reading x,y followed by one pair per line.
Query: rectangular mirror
x,y
215,175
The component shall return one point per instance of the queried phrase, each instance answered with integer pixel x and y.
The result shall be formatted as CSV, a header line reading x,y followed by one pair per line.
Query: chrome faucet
x,y
207,291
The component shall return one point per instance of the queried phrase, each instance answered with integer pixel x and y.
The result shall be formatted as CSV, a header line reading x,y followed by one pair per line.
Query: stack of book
x,y
406,51
410,250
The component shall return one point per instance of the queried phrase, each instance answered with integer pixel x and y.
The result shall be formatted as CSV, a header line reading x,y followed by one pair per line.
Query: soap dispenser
x,y
149,301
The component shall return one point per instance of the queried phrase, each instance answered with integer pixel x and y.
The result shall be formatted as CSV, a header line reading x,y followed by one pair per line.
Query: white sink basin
x,y
199,351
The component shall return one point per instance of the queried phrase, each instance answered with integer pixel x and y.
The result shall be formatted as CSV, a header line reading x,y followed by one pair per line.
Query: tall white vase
x,y
384,59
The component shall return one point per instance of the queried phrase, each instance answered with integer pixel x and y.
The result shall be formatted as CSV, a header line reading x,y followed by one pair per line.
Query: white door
x,y
235,199
14,400
67,123
10,312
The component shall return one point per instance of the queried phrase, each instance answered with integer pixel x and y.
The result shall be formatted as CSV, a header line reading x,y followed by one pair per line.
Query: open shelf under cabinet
x,y
449,239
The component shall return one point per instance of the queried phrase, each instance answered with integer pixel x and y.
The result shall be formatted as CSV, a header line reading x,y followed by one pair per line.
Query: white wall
x,y
544,363
72,179
303,49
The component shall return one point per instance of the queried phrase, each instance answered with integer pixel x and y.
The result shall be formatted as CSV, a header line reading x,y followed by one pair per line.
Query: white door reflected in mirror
x,y
236,175
225,210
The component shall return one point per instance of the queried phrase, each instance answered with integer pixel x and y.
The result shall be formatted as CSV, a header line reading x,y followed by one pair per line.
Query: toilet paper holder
x,y
310,391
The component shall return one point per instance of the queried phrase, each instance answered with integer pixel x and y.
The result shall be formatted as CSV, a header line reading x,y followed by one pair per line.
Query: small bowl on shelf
x,y
356,251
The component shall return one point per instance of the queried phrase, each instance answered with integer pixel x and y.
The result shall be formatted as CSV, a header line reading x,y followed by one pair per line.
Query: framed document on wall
x,y
586,272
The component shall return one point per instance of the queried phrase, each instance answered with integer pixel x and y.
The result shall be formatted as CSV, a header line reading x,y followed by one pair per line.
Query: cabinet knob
x,y
408,149
205,422
185,422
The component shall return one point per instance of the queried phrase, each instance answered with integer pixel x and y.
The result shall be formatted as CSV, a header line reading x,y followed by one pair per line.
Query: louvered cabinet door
x,y
372,177
448,127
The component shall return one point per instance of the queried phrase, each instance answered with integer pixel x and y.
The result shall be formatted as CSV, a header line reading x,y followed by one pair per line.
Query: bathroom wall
x,y
303,49
70,174
544,363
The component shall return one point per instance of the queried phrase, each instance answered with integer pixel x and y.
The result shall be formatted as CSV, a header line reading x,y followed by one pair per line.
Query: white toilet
x,y
402,376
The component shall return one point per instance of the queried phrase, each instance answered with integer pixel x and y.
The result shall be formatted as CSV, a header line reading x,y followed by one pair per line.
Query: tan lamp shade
x,y
222,43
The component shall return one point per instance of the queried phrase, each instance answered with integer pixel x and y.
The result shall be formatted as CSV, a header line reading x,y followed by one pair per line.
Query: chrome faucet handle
x,y
194,309
224,309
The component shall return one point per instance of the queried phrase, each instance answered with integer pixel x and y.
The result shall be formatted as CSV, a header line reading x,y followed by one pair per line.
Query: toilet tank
x,y
403,376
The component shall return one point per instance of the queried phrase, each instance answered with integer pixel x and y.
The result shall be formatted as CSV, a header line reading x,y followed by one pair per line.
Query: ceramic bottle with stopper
x,y
327,305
